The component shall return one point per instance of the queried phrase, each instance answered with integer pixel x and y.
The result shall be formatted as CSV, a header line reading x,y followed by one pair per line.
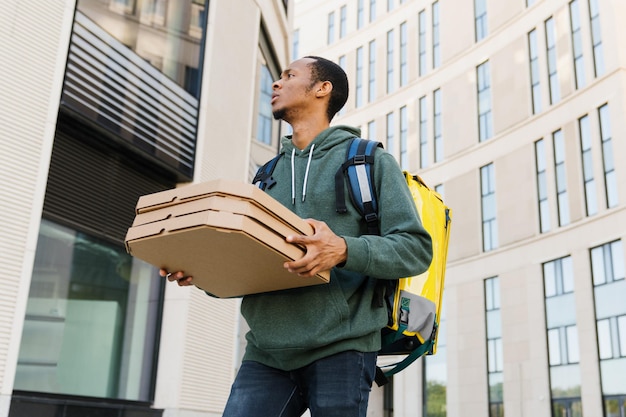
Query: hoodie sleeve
x,y
404,247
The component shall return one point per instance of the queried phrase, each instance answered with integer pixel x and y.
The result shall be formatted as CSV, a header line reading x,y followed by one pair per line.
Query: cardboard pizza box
x,y
221,202
232,243
222,187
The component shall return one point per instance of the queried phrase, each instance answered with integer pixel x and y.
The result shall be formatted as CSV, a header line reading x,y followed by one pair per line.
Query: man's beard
x,y
279,114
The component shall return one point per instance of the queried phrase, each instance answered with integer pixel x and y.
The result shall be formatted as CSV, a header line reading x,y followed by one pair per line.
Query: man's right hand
x,y
179,277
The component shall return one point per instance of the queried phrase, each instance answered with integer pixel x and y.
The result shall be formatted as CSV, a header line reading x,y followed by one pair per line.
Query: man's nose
x,y
275,84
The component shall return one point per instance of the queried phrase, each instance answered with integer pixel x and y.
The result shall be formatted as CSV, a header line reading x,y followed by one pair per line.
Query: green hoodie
x,y
292,328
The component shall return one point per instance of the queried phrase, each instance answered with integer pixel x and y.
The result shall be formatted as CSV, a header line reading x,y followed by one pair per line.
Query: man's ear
x,y
324,89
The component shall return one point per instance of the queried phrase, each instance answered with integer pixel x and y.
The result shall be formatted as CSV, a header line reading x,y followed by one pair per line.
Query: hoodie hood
x,y
322,143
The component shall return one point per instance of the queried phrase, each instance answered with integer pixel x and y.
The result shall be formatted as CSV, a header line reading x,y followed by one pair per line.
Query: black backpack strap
x,y
263,178
359,168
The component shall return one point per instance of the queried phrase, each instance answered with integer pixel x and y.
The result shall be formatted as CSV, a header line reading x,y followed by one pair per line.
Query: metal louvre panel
x,y
96,190
111,85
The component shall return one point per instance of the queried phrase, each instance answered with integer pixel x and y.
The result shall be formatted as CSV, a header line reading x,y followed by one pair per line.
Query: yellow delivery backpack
x,y
413,303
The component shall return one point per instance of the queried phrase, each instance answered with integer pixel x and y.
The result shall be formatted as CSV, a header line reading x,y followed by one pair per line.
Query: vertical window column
x,y
404,59
404,135
436,38
360,14
421,42
610,179
596,38
391,147
609,288
561,177
359,77
423,132
488,201
485,119
562,335
343,22
495,363
577,44
533,55
342,63
542,187
437,126
480,19
331,28
371,70
390,58
553,78
589,183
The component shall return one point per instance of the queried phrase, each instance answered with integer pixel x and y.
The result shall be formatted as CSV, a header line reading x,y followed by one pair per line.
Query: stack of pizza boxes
x,y
228,235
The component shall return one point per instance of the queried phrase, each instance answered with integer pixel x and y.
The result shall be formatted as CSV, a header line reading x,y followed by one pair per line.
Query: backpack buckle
x,y
359,159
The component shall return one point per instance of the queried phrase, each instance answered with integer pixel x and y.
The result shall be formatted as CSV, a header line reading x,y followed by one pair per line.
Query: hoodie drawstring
x,y
293,175
306,173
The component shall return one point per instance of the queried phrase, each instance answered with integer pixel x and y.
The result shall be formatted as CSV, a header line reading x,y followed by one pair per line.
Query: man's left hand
x,y
324,250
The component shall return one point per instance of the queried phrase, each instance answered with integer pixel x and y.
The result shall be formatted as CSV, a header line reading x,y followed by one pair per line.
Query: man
x,y
315,347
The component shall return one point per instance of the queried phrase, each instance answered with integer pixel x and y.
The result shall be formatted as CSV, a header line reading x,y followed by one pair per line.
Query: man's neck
x,y
305,132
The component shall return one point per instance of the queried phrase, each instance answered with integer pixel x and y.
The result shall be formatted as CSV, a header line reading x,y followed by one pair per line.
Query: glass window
x,y
265,119
607,266
596,38
435,374
343,21
371,130
390,58
390,5
553,78
437,125
372,72
561,178
295,52
495,356
423,132
488,198
91,319
421,42
155,35
390,134
589,183
480,19
577,44
542,187
610,178
535,88
404,60
404,134
360,14
372,10
342,63
561,330
485,122
359,77
331,28
436,39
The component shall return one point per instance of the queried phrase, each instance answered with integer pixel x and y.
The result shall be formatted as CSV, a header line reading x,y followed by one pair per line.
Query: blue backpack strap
x,y
263,178
359,167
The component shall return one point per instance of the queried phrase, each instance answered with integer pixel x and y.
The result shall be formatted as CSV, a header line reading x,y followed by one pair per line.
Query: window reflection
x,y
165,33
91,319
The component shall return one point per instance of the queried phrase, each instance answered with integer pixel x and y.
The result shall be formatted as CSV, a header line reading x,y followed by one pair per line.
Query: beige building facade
x,y
514,111
102,101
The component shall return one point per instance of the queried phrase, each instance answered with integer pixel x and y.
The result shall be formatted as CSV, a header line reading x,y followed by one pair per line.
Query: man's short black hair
x,y
324,70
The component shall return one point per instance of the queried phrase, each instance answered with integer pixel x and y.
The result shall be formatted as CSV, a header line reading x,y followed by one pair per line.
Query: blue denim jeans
x,y
336,386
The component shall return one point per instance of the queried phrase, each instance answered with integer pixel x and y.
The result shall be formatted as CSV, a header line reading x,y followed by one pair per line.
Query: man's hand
x,y
179,277
324,250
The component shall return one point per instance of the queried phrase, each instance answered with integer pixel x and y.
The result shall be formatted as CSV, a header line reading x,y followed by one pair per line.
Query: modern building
x,y
102,101
514,111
